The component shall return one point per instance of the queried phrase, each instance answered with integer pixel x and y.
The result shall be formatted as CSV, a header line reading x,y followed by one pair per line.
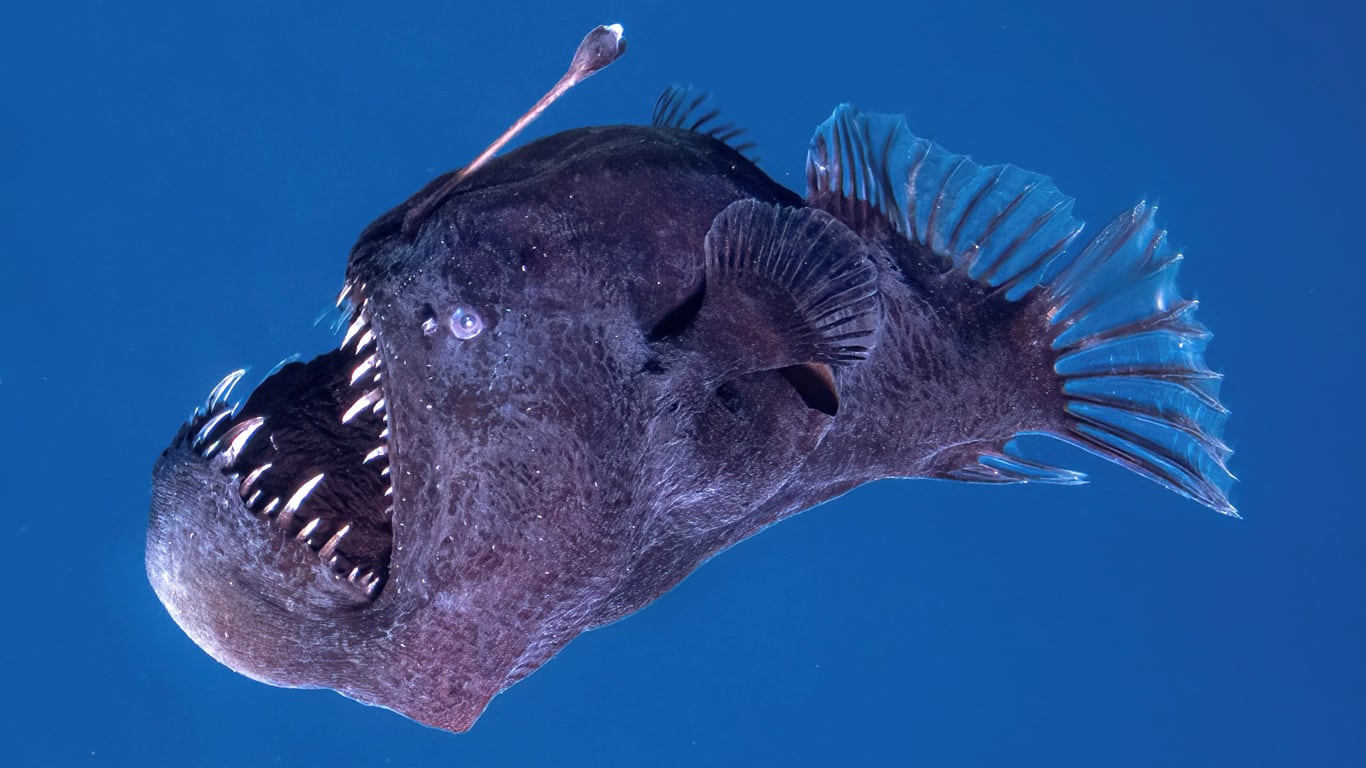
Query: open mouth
x,y
309,451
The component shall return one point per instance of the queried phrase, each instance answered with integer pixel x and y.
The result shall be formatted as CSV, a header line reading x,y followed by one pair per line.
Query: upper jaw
x,y
307,454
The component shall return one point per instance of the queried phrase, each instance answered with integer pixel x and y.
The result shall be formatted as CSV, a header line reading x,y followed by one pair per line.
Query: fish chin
x,y
270,532
252,601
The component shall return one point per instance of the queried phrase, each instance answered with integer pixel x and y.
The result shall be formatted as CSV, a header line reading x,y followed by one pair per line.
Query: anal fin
x,y
1006,465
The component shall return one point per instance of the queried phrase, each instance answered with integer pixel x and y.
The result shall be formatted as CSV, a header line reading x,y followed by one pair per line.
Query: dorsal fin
x,y
691,109
999,224
801,263
1127,350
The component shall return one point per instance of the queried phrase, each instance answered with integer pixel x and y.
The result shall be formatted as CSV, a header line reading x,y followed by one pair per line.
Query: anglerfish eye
x,y
466,323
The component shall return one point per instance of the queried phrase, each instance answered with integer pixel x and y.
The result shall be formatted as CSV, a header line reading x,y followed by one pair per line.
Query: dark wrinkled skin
x,y
562,469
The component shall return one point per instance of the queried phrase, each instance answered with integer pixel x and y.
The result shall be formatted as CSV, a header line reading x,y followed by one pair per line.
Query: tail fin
x,y
1130,353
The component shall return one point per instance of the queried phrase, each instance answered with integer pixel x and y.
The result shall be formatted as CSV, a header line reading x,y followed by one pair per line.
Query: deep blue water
x,y
181,185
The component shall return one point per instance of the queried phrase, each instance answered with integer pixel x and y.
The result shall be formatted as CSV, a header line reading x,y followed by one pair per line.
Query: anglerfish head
x,y
519,406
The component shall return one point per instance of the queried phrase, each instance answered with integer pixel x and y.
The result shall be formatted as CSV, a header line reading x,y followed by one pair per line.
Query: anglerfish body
x,y
574,374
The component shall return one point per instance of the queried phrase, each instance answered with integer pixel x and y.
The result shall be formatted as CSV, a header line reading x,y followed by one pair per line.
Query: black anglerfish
x,y
574,372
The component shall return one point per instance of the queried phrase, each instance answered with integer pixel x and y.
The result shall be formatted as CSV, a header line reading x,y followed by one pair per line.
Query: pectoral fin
x,y
783,287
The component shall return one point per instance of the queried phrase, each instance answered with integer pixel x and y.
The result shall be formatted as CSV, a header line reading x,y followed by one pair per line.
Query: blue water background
x,y
181,184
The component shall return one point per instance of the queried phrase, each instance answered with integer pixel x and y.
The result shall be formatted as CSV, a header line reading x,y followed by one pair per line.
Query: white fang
x,y
238,436
297,499
375,454
252,477
209,426
367,365
356,325
331,545
308,529
224,387
365,401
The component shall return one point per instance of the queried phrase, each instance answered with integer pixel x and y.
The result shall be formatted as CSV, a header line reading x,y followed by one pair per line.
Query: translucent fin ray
x,y
814,260
999,224
1006,465
1132,358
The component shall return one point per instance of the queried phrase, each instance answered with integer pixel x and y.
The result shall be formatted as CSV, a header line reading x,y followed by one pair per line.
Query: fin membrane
x,y
687,108
1130,353
999,224
794,282
1006,465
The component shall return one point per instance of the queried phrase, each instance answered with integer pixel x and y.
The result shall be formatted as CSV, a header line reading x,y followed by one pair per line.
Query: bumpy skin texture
x,y
564,468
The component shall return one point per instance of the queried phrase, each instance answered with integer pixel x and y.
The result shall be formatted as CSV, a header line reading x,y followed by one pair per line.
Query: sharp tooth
x,y
352,574
269,508
379,405
252,477
308,529
384,433
366,365
355,328
292,506
238,436
375,454
224,387
255,497
209,427
345,291
276,368
384,472
365,339
331,545
365,401
389,491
